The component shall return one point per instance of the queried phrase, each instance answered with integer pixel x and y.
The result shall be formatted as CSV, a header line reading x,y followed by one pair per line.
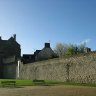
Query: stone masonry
x,y
10,52
80,69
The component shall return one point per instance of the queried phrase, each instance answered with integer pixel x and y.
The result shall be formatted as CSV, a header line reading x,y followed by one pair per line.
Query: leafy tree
x,y
72,49
62,49
81,47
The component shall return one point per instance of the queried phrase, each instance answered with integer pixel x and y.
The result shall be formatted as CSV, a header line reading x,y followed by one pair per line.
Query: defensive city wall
x,y
79,69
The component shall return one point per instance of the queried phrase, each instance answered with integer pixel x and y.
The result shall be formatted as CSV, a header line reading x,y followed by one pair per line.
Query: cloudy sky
x,y
38,21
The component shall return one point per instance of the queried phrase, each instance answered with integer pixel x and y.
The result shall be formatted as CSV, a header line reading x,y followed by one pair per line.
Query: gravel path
x,y
49,91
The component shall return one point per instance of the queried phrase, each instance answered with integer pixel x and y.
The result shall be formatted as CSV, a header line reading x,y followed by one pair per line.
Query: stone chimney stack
x,y
0,38
14,36
47,45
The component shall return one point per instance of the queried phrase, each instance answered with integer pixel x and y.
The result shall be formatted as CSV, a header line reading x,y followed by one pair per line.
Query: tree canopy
x,y
62,49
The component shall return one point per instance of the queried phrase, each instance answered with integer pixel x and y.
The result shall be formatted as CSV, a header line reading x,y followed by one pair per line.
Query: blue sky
x,y
38,21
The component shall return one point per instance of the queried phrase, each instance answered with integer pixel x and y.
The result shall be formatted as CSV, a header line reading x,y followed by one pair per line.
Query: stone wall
x,y
9,67
9,70
80,69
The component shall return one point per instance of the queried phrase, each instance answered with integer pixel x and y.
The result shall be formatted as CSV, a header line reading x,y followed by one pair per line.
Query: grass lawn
x,y
57,88
19,82
47,82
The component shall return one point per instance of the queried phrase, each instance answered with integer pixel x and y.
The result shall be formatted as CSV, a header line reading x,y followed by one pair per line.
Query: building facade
x,y
39,55
10,52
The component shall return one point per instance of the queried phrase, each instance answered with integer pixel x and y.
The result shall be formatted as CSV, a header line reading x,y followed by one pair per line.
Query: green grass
x,y
69,83
47,82
19,82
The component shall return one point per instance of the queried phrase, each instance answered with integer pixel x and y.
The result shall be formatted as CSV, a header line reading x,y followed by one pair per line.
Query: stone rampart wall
x,y
81,69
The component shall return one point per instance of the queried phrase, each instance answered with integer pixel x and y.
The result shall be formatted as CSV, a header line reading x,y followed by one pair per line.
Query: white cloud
x,y
85,41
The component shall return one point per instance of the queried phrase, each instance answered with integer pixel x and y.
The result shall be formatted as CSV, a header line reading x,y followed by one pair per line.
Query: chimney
x,y
47,45
0,38
14,36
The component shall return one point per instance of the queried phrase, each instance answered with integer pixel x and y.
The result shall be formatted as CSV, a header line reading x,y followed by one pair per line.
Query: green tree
x,y
62,49
81,47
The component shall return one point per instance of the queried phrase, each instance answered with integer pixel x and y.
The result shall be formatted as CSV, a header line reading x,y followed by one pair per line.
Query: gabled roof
x,y
12,40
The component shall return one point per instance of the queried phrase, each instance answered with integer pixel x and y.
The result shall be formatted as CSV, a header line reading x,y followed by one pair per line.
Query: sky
x,y
56,21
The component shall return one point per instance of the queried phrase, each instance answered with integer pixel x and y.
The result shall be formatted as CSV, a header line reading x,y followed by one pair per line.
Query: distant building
x,y
10,52
86,50
44,54
28,58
